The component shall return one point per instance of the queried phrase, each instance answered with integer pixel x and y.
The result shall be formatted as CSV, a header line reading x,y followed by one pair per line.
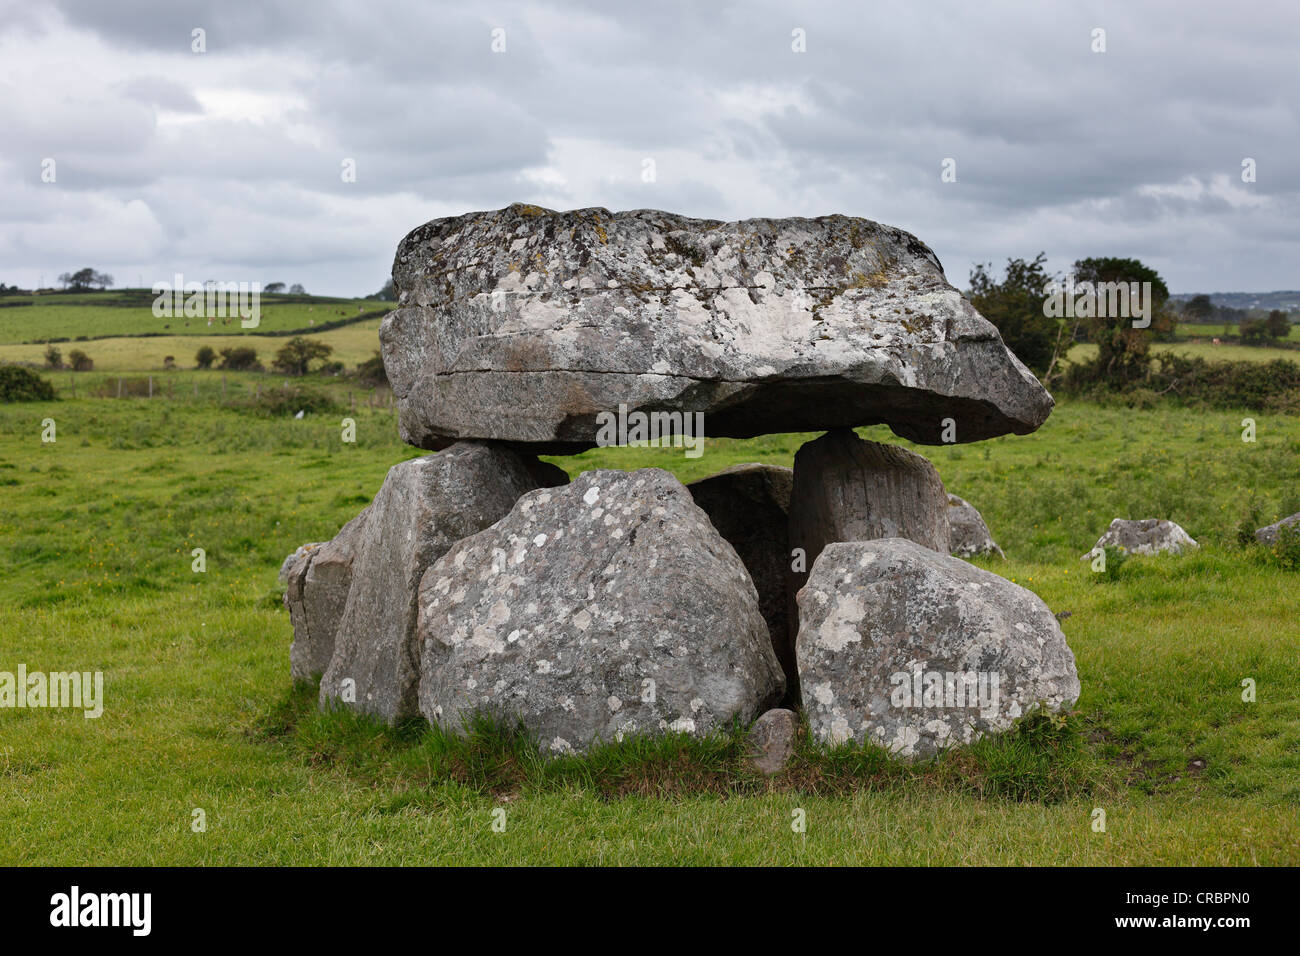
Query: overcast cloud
x,y
227,164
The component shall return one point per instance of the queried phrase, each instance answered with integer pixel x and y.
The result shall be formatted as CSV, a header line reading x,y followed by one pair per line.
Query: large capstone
x,y
530,326
916,651
610,606
750,506
424,507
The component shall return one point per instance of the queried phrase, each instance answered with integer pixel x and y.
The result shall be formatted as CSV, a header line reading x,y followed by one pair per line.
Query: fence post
x,y
119,386
151,386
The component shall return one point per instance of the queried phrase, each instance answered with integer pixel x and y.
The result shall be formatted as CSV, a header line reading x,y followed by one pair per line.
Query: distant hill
x,y
1254,301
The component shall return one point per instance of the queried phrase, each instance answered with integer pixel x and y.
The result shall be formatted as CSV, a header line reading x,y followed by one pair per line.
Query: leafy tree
x,y
84,279
1123,351
273,287
296,355
1015,306
79,361
205,356
1254,330
53,357
387,294
1199,309
1279,324
297,289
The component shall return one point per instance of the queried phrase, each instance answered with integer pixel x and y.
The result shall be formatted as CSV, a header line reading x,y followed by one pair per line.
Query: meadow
x,y
96,540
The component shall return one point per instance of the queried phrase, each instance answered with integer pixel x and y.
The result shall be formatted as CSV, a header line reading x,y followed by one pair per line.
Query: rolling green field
x,y
130,312
96,536
352,344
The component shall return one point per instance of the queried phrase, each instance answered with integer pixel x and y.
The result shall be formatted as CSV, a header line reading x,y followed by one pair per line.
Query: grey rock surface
x,y
968,535
749,504
318,584
772,740
1268,533
523,324
1144,536
424,506
849,489
916,651
610,606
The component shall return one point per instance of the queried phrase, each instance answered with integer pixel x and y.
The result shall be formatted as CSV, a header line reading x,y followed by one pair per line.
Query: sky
x,y
300,141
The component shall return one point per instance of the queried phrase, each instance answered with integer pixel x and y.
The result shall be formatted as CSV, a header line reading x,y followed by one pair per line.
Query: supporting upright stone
x,y
610,606
916,651
750,506
849,489
424,507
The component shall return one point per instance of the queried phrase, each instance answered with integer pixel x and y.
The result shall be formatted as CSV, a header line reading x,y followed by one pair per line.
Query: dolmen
x,y
482,581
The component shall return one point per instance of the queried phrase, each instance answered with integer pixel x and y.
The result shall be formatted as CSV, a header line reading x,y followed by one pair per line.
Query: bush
x,y
18,384
205,356
1285,550
53,357
240,358
291,400
80,361
1265,386
372,371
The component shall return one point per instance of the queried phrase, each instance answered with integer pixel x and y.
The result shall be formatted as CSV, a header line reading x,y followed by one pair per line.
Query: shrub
x,y
18,384
240,358
1285,550
291,400
80,361
1271,386
372,371
53,357
205,356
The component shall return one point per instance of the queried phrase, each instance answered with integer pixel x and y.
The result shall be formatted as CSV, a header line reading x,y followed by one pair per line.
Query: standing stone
x,y
916,651
849,489
749,505
317,592
524,324
607,607
772,740
968,535
1268,534
424,507
1144,536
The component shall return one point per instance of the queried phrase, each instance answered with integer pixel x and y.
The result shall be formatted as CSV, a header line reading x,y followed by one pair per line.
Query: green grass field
x,y
129,312
96,536
352,344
